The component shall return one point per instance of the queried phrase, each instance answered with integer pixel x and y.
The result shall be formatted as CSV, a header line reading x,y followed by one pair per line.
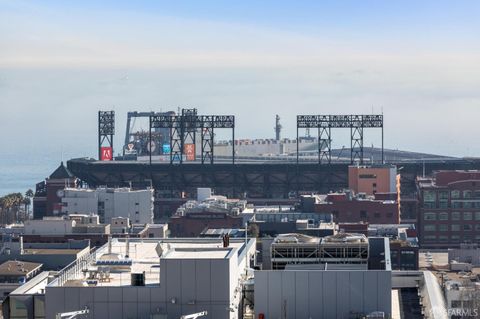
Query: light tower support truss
x,y
184,127
106,130
325,123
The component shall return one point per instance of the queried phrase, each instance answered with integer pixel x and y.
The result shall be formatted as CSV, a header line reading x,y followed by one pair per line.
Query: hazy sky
x,y
418,61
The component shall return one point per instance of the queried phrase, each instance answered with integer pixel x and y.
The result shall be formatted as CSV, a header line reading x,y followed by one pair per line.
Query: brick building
x,y
449,209
373,179
348,208
208,211
48,194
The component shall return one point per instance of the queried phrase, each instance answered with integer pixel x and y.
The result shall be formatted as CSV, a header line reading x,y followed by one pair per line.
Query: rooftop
x,y
61,172
47,251
114,268
17,268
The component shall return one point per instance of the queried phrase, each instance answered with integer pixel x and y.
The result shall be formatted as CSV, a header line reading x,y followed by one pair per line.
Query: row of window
x,y
431,195
443,238
452,227
453,216
454,204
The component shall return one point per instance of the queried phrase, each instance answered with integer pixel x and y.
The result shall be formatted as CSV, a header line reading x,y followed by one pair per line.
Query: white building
x,y
49,226
462,300
110,202
127,279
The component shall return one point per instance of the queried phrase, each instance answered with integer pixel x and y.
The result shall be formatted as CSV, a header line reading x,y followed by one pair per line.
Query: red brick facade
x,y
449,209
353,210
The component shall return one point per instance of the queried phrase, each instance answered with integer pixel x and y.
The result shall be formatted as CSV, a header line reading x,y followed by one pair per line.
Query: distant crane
x,y
71,314
277,128
194,315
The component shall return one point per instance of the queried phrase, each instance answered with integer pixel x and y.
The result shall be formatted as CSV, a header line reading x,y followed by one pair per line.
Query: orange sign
x,y
189,151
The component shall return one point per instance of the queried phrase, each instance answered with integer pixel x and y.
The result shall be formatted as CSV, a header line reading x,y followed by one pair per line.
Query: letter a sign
x,y
106,154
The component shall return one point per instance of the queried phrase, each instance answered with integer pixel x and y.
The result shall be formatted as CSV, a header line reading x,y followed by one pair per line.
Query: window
x,y
455,194
429,205
477,227
467,227
455,238
443,195
443,238
443,216
456,205
477,215
443,227
443,205
477,194
455,216
430,227
363,214
430,237
467,216
429,196
467,205
430,216
455,227
376,215
467,194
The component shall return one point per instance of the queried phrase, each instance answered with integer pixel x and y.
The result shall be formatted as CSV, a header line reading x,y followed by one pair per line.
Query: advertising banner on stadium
x,y
106,153
189,151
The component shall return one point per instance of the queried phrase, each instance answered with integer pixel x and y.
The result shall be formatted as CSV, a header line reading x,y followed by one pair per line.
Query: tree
x,y
28,196
26,201
29,193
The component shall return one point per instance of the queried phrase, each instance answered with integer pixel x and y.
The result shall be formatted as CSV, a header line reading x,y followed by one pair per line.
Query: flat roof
x,y
16,267
198,253
46,251
115,269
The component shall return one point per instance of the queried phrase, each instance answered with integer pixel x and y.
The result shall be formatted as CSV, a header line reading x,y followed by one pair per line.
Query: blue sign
x,y
166,148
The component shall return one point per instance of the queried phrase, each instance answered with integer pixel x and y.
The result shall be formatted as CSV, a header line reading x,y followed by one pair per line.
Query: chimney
x,y
109,245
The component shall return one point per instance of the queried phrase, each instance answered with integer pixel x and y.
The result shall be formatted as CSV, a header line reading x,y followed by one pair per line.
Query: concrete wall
x,y
385,179
118,203
187,286
79,201
321,294
49,226
197,285
465,255
264,147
